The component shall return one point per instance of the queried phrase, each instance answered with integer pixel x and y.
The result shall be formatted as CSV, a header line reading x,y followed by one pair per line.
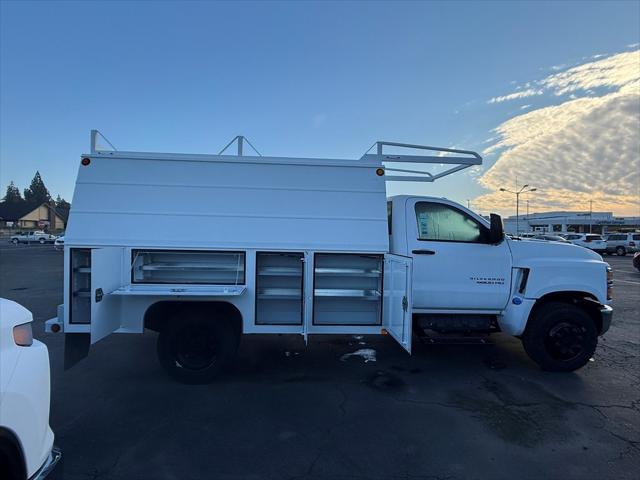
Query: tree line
x,y
35,195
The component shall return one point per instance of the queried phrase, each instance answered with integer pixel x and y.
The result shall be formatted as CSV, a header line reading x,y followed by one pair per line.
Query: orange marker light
x,y
380,171
85,161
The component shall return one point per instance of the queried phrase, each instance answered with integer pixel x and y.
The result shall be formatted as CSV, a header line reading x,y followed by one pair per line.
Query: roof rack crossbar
x,y
468,159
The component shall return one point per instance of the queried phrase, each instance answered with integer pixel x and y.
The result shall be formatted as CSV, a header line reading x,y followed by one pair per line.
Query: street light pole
x,y
517,193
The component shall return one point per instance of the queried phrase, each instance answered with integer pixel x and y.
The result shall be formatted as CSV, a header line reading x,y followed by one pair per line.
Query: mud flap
x,y
76,347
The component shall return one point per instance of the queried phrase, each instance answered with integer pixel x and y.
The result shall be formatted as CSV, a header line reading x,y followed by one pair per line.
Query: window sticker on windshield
x,y
423,223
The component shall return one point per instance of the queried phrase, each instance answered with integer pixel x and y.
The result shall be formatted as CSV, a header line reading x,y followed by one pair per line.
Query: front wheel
x,y
560,337
621,251
41,241
195,349
14,241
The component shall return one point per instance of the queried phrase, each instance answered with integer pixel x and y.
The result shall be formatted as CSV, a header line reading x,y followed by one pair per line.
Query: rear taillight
x,y
23,335
609,283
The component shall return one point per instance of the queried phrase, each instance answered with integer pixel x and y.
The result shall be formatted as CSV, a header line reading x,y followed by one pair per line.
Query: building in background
x,y
43,217
581,222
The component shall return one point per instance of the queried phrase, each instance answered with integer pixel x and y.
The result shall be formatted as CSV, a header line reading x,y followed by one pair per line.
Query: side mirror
x,y
496,231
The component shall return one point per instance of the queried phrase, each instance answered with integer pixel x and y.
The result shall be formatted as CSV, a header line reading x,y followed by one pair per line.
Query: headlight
x,y
23,335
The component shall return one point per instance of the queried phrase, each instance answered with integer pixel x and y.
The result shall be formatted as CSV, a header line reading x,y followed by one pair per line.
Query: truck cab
x,y
469,277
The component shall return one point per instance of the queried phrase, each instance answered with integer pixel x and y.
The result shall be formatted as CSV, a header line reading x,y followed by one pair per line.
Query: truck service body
x,y
207,248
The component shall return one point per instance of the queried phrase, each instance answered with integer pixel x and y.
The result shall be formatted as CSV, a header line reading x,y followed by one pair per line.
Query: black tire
x,y
194,349
41,241
15,241
560,337
621,251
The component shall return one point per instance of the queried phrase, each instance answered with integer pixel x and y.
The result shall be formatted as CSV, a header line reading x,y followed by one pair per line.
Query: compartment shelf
x,y
348,293
279,288
280,272
188,266
347,272
280,292
347,289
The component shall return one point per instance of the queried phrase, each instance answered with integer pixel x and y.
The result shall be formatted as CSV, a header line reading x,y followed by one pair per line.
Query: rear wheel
x,y
560,337
195,349
14,241
41,241
621,251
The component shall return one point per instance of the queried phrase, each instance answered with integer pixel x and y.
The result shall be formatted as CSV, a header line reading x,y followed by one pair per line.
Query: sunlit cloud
x,y
585,148
530,92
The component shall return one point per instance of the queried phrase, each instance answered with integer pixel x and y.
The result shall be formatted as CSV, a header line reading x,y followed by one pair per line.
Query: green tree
x,y
37,192
13,194
62,203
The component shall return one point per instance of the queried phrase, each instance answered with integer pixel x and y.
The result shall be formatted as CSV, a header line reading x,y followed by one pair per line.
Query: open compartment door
x,y
396,317
106,276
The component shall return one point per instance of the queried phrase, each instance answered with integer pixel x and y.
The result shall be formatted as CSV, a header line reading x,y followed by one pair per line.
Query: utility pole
x,y
590,214
517,193
468,204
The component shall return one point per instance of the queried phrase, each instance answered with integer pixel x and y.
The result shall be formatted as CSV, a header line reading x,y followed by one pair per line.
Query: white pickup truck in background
x,y
205,249
37,236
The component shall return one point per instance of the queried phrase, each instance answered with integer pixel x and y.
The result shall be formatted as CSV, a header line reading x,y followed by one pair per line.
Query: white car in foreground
x,y
26,440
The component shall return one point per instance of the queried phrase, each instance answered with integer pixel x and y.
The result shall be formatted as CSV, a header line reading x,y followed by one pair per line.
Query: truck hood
x,y
523,251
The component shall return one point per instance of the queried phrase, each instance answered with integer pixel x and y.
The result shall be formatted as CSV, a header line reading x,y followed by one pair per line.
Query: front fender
x,y
567,275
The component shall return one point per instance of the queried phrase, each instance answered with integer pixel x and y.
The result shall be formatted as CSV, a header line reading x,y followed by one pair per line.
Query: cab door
x,y
455,268
396,301
106,276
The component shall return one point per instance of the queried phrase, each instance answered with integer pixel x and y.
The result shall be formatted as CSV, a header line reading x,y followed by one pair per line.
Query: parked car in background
x,y
623,243
550,238
37,236
588,240
636,260
58,244
26,440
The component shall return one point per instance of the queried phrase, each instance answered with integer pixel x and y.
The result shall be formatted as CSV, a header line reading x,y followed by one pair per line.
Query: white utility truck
x,y
207,248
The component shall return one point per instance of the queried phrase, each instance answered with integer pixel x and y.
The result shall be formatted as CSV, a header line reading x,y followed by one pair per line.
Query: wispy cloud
x,y
585,148
530,92
612,71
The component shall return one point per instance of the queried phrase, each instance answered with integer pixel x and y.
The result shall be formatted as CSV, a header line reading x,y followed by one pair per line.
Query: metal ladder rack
x,y
463,159
469,159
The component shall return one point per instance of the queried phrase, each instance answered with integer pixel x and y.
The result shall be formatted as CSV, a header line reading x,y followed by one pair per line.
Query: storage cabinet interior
x,y
184,266
347,289
279,288
80,286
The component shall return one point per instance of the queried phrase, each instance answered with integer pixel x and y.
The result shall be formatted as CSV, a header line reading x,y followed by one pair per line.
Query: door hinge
x,y
405,303
99,295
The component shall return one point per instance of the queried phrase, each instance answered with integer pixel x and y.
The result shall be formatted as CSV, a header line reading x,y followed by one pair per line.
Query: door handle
x,y
423,252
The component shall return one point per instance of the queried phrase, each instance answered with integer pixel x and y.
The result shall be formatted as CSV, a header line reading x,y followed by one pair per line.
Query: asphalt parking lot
x,y
290,412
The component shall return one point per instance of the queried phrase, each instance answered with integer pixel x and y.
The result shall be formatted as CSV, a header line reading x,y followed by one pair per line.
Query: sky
x,y
548,92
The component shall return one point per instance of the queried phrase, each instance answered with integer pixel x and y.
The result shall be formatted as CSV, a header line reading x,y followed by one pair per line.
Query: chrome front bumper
x,y
54,457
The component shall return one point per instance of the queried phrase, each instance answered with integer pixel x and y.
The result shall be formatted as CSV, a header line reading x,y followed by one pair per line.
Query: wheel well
x,y
584,300
12,464
158,314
